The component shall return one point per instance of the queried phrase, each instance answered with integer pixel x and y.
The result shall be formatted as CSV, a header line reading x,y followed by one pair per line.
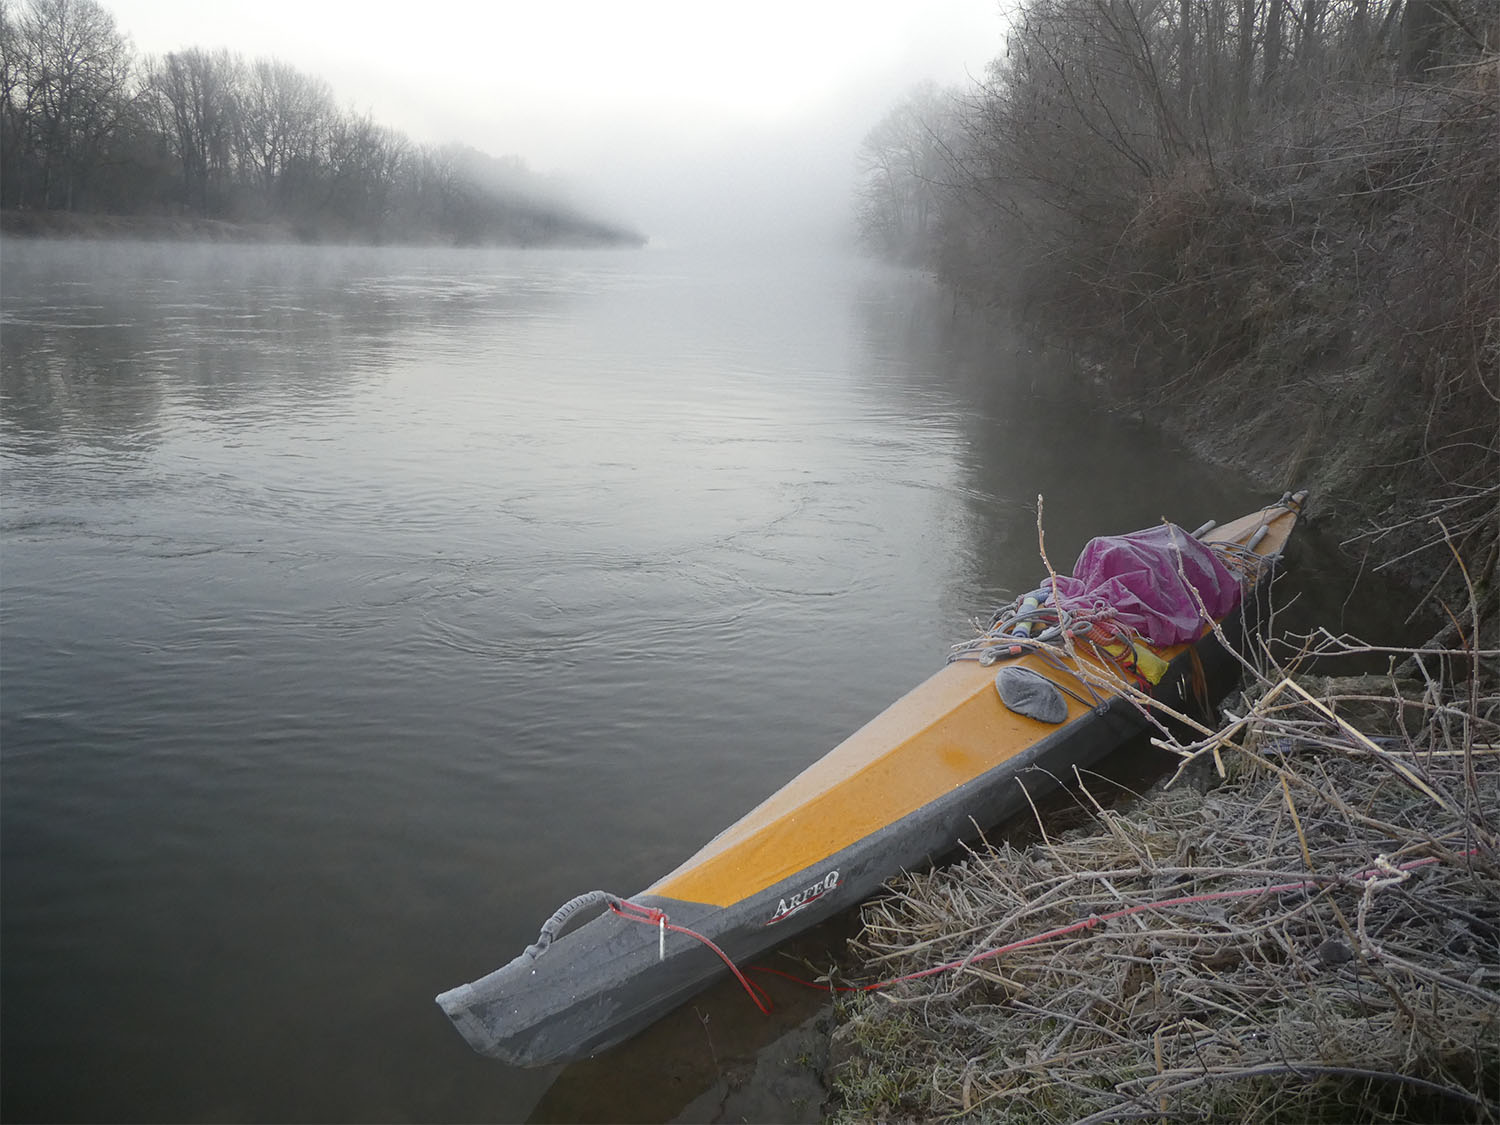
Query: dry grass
x,y
1342,961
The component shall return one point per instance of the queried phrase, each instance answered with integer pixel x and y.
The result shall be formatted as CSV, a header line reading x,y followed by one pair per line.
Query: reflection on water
x,y
361,606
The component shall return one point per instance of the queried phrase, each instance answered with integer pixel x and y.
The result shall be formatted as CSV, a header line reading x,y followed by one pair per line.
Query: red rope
x,y
653,917
1088,924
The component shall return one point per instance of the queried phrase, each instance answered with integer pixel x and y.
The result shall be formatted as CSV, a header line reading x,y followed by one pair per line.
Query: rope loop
x,y
560,918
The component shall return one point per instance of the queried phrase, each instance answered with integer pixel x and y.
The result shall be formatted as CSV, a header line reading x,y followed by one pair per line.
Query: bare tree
x,y
68,73
363,162
904,165
1421,30
199,92
15,117
285,117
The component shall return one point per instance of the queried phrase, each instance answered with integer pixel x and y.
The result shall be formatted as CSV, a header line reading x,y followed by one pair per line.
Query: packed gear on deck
x,y
1128,596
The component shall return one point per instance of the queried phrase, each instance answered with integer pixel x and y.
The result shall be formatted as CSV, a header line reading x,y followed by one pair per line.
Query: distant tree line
x,y
87,126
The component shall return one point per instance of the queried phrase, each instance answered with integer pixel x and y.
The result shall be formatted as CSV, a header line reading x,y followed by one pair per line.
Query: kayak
x,y
1145,624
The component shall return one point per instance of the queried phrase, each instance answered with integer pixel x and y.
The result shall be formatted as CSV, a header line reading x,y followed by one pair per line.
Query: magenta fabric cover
x,y
1140,577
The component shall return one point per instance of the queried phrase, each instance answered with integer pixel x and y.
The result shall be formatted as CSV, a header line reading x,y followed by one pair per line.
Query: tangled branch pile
x,y
1339,958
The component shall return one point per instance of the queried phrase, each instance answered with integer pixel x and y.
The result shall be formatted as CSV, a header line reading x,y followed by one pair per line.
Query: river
x,y
361,606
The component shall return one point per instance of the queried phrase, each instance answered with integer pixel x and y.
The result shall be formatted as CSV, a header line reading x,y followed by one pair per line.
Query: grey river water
x,y
361,606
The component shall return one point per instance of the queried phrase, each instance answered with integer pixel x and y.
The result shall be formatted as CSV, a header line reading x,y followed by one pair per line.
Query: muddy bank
x,y
784,1084
68,224
160,228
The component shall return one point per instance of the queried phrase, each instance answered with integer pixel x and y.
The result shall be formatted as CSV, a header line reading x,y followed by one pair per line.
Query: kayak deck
x,y
946,733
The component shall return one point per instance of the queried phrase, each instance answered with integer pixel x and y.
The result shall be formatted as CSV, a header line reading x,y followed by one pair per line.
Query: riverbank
x,y
69,224
1300,922
159,228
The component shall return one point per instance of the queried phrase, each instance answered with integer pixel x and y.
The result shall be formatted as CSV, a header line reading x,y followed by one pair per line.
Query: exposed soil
x,y
68,224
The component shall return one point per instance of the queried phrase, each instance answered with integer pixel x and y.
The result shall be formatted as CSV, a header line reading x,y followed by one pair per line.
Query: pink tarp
x,y
1140,576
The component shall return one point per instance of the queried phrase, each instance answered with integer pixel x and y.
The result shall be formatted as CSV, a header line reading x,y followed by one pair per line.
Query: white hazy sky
x,y
695,119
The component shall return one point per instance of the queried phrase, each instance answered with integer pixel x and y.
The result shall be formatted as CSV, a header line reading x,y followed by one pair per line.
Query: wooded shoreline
x,y
92,130
1267,227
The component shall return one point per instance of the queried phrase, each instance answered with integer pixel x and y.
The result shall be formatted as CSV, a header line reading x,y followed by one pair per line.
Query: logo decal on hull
x,y
804,898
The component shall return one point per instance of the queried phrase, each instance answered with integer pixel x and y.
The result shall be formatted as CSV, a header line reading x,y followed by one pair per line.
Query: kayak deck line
x,y
943,762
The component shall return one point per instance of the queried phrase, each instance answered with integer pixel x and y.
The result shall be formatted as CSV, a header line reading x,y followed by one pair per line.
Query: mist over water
x,y
359,607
